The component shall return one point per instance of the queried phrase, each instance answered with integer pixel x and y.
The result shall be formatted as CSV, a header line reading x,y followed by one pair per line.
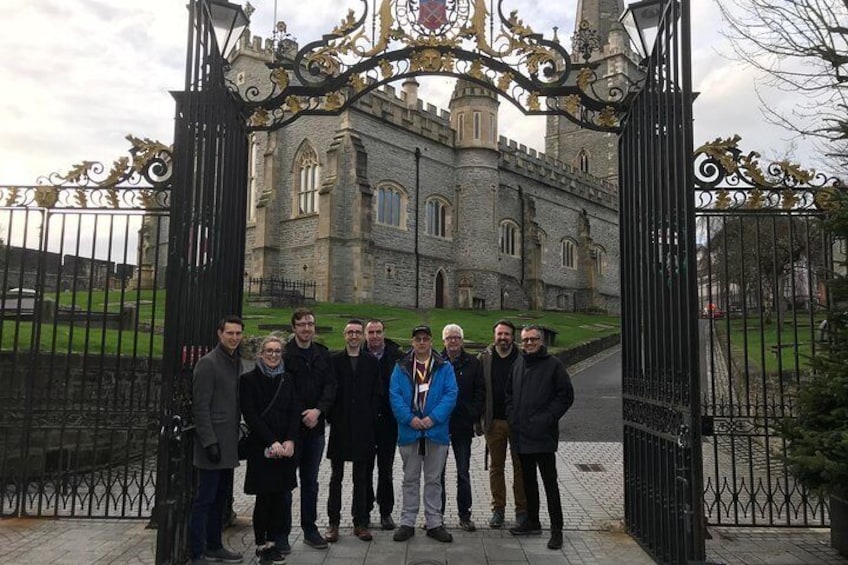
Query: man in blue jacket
x,y
423,393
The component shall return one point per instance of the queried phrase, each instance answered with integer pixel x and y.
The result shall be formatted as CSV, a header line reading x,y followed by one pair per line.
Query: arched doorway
x,y
441,284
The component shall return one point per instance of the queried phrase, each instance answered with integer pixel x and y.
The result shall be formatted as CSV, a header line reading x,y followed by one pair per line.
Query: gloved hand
x,y
213,452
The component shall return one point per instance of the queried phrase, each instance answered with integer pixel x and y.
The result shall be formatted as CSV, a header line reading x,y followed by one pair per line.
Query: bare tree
x,y
801,46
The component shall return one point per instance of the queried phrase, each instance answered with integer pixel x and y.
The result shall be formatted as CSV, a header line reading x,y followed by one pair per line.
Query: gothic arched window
x,y
510,243
583,161
438,217
599,260
307,179
569,254
391,206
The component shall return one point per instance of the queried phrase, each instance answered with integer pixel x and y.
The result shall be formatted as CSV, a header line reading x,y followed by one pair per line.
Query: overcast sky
x,y
78,75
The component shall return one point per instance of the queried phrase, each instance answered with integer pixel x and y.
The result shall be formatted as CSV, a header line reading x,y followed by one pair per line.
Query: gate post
x,y
663,472
205,259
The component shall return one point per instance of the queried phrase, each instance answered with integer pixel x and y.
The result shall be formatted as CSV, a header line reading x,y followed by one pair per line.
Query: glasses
x,y
453,337
530,339
273,352
304,324
421,338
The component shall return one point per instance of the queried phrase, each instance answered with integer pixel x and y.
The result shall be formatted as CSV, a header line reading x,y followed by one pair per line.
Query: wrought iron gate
x,y
81,316
761,272
205,260
662,463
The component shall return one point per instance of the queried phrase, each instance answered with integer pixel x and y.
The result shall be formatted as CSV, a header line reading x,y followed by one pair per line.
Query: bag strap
x,y
276,394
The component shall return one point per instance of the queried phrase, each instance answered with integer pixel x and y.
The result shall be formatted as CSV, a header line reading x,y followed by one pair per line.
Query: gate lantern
x,y
228,21
641,21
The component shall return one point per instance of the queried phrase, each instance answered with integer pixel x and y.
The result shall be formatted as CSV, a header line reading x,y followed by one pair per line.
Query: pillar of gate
x,y
205,258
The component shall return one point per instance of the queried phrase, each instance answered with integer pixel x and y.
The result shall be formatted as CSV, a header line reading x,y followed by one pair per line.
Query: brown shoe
x,y
332,534
362,533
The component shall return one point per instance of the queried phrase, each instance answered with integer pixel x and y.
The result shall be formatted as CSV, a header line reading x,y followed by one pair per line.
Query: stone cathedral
x,y
397,202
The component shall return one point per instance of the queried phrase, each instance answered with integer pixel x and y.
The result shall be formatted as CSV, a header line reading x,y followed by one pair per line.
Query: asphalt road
x,y
596,412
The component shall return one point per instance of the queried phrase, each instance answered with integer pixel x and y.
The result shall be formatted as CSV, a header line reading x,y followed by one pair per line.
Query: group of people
x,y
376,399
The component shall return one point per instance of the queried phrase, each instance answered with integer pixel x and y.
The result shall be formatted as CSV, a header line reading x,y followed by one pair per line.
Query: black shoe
x,y
497,519
386,522
283,547
314,539
556,540
270,556
439,533
222,555
404,533
526,529
467,525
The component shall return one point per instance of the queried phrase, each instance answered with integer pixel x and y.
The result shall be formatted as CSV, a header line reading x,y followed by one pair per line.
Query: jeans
x,y
214,489
546,462
359,505
311,452
386,434
462,455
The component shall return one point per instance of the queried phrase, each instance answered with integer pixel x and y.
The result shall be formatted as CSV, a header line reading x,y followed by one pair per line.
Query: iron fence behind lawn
x,y
291,291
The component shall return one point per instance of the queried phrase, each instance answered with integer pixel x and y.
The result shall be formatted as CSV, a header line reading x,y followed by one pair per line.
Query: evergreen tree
x,y
817,437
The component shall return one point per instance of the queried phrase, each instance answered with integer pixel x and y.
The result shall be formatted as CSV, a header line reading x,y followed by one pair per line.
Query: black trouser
x,y
359,507
546,462
386,440
269,512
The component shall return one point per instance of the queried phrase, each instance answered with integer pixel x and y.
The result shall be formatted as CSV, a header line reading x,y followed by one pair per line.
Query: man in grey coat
x,y
215,406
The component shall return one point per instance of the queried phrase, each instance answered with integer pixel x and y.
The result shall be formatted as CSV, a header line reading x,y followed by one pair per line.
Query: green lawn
x,y
760,343
573,329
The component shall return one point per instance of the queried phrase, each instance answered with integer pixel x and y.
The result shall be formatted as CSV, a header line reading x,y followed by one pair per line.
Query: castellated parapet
x,y
518,158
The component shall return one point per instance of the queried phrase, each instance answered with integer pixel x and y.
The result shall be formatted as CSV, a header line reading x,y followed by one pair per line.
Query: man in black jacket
x,y
468,409
538,394
315,384
387,352
352,422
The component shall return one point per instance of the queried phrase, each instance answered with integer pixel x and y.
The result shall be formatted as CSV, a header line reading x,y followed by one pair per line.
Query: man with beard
x,y
538,394
352,420
497,362
387,353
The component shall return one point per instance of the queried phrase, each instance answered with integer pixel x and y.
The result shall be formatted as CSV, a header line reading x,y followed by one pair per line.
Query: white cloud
x,y
79,76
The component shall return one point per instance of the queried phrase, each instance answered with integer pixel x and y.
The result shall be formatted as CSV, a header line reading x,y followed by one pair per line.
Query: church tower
x,y
474,119
592,152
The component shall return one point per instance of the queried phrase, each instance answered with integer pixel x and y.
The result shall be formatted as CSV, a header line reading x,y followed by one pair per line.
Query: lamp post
x,y
641,21
228,21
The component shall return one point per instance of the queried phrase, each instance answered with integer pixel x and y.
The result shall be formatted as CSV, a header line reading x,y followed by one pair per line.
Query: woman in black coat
x,y
272,413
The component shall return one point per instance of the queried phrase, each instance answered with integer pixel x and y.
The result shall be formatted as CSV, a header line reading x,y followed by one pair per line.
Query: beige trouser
x,y
497,439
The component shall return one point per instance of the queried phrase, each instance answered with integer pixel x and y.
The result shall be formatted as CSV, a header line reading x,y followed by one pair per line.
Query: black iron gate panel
x,y
763,260
205,260
662,466
81,316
